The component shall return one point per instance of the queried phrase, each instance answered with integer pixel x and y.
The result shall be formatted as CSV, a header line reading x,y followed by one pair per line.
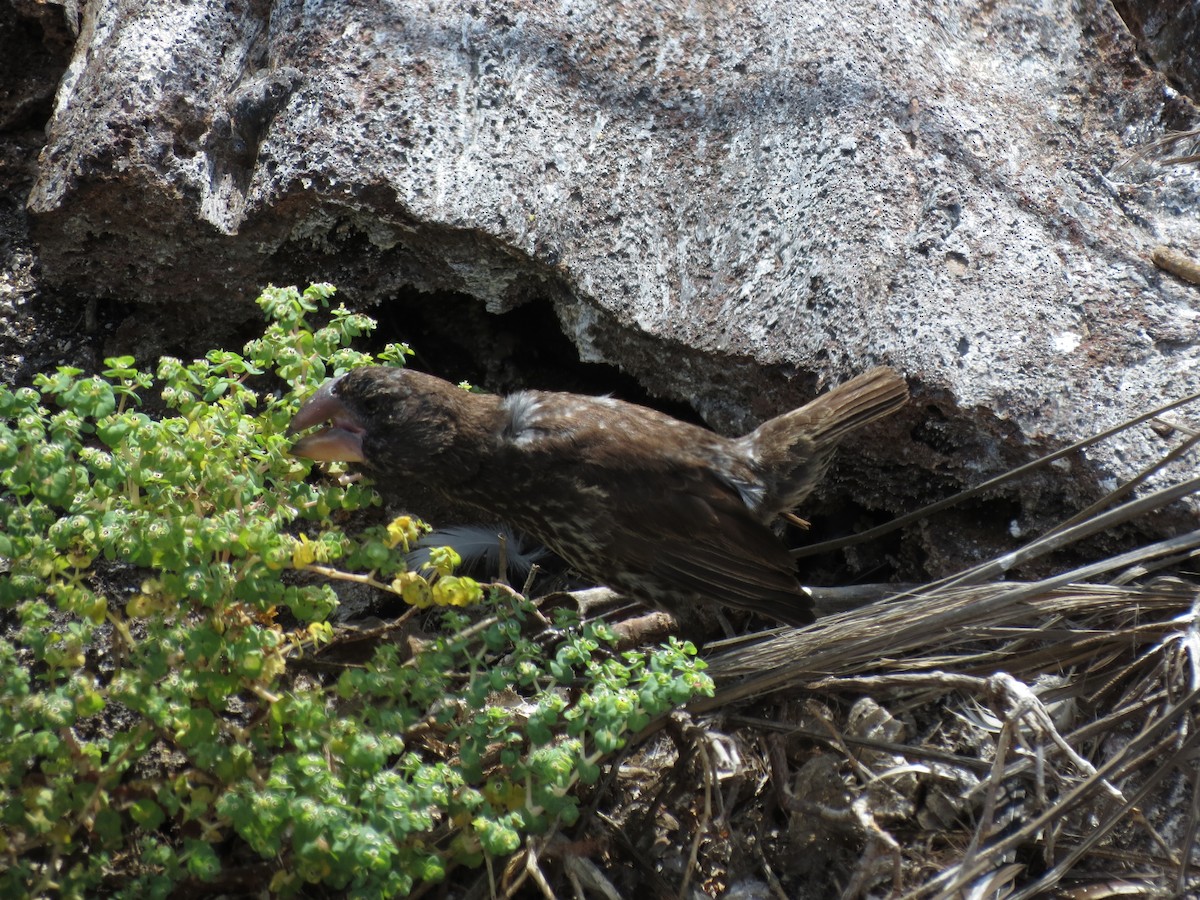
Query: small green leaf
x,y
146,813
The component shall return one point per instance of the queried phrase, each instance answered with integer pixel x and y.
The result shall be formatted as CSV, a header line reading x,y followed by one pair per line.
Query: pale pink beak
x,y
341,440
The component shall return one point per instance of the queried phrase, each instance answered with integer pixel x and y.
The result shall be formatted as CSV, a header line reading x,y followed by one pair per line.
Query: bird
x,y
664,512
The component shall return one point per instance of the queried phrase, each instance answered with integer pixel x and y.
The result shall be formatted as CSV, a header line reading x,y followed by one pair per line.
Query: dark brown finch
x,y
664,512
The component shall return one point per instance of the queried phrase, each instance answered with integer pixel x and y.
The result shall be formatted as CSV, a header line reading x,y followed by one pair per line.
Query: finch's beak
x,y
341,439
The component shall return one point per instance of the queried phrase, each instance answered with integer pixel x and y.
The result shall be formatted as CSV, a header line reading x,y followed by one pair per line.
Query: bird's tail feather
x,y
860,401
792,451
829,418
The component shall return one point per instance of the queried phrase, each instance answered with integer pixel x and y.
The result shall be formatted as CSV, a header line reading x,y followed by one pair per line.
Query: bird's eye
x,y
374,406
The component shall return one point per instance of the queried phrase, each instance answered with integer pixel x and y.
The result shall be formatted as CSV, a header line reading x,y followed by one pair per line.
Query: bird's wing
x,y
663,499
699,538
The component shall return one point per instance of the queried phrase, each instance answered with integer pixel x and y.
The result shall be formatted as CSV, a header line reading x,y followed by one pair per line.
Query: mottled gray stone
x,y
716,197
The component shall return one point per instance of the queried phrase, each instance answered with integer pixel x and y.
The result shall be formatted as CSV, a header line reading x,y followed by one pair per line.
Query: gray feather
x,y
479,547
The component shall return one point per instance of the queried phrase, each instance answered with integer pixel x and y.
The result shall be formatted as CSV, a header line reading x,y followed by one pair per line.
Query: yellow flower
x,y
451,590
304,552
404,530
413,589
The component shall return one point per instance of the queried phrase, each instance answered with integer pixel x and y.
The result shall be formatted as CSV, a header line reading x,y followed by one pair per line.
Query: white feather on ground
x,y
479,547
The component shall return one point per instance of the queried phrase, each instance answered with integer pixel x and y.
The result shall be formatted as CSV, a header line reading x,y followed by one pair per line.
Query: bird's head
x,y
393,420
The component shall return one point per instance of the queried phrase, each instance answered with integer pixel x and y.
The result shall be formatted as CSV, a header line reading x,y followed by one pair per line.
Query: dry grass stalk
x,y
1173,149
1057,722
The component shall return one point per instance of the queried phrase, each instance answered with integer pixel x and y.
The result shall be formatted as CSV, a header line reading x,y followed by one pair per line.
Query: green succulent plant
x,y
166,583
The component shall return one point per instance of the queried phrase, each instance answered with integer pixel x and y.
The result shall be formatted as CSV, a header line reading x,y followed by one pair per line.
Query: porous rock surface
x,y
733,202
